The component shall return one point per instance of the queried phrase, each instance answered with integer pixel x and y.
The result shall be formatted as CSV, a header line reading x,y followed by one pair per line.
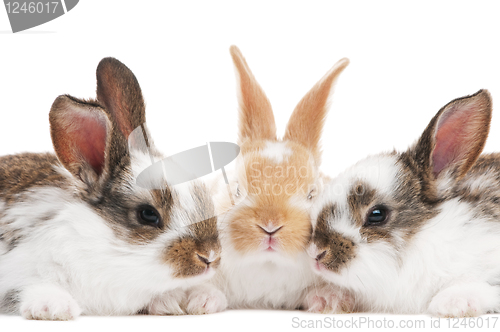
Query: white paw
x,y
466,299
169,303
451,305
205,300
329,299
60,306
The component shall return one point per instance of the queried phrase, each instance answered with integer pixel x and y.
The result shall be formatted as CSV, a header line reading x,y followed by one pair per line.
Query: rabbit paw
x,y
49,303
464,300
329,300
449,305
205,300
169,303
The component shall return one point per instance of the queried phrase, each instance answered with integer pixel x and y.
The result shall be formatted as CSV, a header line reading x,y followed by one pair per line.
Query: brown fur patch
x,y
338,249
119,91
187,254
120,209
21,172
484,195
360,200
360,197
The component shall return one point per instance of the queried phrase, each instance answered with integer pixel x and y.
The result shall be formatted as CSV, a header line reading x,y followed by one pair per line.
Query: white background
x,y
407,61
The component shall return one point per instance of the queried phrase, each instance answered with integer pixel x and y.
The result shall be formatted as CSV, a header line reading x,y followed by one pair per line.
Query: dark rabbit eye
x,y
148,215
377,216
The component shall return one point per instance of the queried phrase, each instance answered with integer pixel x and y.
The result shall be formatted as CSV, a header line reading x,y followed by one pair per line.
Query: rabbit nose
x,y
316,253
270,229
321,256
207,260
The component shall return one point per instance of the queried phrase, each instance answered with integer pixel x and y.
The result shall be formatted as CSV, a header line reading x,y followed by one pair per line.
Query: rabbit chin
x,y
263,255
326,274
199,278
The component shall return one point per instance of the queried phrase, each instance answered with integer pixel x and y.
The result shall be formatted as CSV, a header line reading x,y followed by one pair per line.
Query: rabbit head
x,y
369,216
172,227
275,179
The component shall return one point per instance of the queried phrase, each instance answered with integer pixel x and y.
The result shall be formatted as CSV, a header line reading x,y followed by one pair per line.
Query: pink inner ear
x,y
455,136
89,140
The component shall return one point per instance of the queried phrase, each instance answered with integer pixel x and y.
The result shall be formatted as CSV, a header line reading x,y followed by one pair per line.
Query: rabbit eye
x,y
377,216
237,191
148,215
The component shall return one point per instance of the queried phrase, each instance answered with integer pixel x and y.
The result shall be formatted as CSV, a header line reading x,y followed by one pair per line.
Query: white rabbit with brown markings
x,y
264,235
419,231
79,236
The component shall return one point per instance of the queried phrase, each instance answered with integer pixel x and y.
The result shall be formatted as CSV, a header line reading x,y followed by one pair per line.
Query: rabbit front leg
x,y
465,300
168,303
48,302
328,299
205,299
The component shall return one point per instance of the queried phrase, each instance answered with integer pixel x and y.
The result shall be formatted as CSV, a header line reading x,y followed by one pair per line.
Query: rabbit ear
x,y
455,137
306,123
119,92
256,114
80,134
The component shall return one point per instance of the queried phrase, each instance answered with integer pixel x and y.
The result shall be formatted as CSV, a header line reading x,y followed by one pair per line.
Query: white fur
x,y
265,280
204,299
261,279
48,301
451,267
68,250
168,303
276,151
252,281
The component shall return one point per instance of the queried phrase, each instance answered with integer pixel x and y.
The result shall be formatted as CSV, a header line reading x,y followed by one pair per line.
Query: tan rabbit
x,y
264,236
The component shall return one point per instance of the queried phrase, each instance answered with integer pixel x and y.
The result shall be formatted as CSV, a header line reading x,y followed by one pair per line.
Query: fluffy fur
x,y
437,251
264,235
71,237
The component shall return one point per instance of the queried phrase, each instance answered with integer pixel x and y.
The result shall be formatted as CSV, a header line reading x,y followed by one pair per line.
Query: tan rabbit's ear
x,y
81,134
119,92
455,137
256,114
306,123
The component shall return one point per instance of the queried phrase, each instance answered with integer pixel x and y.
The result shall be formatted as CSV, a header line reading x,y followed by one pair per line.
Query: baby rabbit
x,y
264,236
418,231
79,236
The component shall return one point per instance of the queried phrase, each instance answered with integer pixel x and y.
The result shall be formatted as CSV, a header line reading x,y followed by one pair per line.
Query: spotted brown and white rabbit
x,y
418,231
264,235
79,236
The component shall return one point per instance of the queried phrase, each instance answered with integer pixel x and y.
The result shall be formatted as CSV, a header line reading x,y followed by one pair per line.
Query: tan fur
x,y
256,115
277,191
271,186
307,120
